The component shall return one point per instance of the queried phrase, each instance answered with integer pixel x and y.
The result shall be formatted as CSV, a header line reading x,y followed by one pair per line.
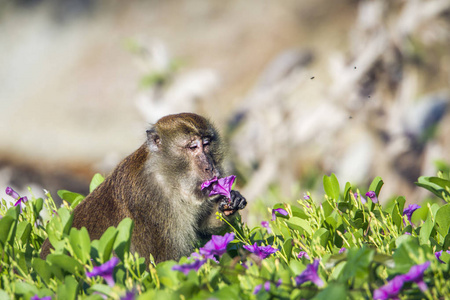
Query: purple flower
x,y
363,201
105,270
307,197
281,211
21,200
261,251
390,289
130,295
217,245
279,282
342,250
10,192
393,287
438,256
303,254
310,274
407,233
259,287
265,224
36,297
372,196
415,274
221,186
410,210
186,268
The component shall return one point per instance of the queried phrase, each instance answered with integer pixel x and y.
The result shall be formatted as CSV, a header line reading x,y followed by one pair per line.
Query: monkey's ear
x,y
153,140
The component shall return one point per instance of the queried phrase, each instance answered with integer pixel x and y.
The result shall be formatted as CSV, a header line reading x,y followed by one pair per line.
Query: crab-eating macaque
x,y
159,188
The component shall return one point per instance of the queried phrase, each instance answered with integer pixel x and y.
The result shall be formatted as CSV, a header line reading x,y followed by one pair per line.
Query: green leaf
x,y
335,291
376,185
58,227
401,203
106,243
102,289
407,253
69,290
23,288
299,224
7,225
95,182
435,185
81,243
43,269
396,216
446,244
347,191
287,248
327,208
23,231
70,197
358,261
65,262
331,186
123,239
166,276
443,219
4,295
298,212
426,229
38,204
322,235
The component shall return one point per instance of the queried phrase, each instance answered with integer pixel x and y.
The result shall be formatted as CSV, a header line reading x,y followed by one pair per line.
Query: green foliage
x,y
359,248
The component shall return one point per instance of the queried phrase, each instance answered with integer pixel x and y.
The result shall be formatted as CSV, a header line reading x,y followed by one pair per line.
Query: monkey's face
x,y
189,149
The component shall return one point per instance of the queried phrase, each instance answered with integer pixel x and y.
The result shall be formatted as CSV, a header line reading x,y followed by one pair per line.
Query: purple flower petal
x,y
410,210
303,254
217,245
220,186
390,289
267,286
105,270
186,268
10,192
310,274
130,295
261,251
281,211
363,201
438,256
257,289
342,250
415,274
279,282
36,297
208,183
21,200
265,224
372,196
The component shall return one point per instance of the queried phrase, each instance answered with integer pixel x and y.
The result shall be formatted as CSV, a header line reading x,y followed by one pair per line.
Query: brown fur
x,y
158,186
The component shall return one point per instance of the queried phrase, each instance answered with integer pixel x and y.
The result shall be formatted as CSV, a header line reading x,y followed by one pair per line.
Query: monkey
x,y
159,188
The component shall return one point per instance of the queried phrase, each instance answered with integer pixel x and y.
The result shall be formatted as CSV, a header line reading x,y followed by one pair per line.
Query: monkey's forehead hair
x,y
187,123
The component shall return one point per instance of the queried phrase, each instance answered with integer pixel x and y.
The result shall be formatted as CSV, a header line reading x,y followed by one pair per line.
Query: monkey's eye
x,y
206,142
193,147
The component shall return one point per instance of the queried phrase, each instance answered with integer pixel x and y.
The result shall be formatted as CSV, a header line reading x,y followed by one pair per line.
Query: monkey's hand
x,y
230,206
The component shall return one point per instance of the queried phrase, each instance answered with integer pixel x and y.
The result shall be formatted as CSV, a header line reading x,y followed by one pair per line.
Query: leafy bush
x,y
349,246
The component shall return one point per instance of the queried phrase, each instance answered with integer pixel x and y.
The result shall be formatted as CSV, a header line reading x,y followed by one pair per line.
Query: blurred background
x,y
298,89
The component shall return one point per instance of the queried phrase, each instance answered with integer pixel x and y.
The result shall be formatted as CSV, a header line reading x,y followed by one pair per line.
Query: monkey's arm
x,y
228,207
